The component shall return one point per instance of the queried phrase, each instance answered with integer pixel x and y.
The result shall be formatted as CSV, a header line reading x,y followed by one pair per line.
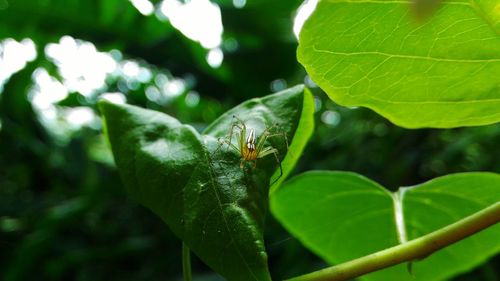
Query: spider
x,y
252,147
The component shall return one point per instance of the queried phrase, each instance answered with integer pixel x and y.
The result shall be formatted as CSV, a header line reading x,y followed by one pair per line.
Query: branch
x,y
186,263
413,250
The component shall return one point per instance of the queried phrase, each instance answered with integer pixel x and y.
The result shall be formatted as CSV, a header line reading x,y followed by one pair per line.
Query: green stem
x,y
186,263
412,250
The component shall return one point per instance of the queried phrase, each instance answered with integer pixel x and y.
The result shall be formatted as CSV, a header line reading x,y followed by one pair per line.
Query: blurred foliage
x,y
63,214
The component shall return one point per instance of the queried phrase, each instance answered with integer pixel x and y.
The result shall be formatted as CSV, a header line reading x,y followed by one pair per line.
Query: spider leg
x,y
236,124
271,150
262,140
238,120
223,141
281,134
243,132
267,134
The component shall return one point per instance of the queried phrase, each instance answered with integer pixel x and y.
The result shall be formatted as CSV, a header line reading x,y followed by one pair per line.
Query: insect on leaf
x,y
197,187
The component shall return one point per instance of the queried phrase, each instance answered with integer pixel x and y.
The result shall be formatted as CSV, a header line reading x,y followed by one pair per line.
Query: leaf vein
x,y
414,57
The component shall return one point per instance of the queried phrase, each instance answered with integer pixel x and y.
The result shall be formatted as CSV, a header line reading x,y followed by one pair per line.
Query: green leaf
x,y
197,186
441,73
342,216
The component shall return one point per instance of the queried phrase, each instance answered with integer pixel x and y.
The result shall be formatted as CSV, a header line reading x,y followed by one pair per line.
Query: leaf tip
x,y
103,105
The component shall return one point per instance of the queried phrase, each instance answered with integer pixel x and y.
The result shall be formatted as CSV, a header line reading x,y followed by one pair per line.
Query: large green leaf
x,y
342,216
197,186
444,72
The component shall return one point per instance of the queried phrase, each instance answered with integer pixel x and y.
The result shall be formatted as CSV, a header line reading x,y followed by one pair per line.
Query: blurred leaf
x,y
260,32
34,245
107,21
342,216
258,38
442,73
196,186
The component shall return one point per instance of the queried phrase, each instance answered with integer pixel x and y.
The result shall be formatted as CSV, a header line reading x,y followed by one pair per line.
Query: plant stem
x,y
412,250
186,263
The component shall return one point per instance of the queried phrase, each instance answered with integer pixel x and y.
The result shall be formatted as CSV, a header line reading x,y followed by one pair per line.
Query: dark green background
x,y
63,212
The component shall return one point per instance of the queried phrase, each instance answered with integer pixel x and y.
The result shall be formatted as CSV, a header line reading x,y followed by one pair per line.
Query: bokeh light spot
x,y
303,13
115,97
192,99
239,3
80,116
330,118
278,85
215,57
199,20
143,6
13,57
81,66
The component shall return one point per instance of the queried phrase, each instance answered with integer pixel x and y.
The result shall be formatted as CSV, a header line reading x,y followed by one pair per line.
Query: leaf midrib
x,y
390,56
219,204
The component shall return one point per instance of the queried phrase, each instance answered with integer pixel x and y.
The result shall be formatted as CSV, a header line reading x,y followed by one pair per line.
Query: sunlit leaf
x,y
342,216
442,72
